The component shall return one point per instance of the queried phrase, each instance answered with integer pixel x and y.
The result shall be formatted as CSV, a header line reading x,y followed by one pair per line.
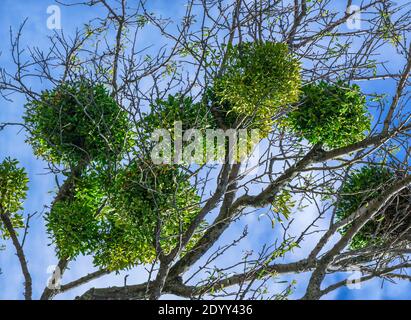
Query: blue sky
x,y
40,254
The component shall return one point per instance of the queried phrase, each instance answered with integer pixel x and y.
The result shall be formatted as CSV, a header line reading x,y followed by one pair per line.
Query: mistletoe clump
x,y
145,196
333,115
164,114
114,219
364,185
258,79
77,122
13,191
78,220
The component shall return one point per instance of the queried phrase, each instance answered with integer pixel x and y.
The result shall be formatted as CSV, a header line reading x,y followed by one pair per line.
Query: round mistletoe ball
x,y
144,194
258,79
77,122
364,185
331,114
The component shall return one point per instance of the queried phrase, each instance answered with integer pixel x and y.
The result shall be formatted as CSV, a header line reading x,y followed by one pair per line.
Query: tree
x,y
290,69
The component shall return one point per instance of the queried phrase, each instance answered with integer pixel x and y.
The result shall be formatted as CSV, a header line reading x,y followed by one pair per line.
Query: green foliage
x,y
114,218
258,79
283,204
77,220
77,122
387,29
333,115
164,113
13,190
144,194
362,186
